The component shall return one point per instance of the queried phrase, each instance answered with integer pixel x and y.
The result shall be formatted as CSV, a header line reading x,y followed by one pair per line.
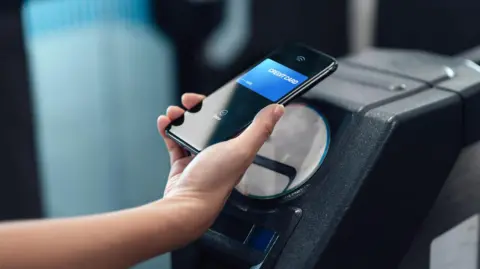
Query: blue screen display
x,y
271,80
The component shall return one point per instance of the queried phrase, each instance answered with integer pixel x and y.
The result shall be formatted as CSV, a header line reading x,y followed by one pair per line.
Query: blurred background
x,y
83,81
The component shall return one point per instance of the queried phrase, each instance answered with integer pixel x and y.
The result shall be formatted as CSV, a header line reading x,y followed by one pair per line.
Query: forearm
x,y
115,240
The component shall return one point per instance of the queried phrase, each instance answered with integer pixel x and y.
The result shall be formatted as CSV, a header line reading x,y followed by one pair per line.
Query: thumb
x,y
261,128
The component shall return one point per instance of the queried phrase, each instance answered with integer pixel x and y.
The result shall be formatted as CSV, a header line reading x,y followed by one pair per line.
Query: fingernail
x,y
278,112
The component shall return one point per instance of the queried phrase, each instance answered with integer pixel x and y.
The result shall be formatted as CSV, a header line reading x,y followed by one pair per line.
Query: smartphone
x,y
281,76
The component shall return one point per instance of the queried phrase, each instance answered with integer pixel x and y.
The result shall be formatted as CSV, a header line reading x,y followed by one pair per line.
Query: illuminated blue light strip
x,y
44,16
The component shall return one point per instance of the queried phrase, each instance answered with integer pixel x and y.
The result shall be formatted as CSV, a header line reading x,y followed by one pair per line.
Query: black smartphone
x,y
284,74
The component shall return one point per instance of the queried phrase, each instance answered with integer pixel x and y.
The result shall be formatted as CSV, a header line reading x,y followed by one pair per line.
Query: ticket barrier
x,y
352,169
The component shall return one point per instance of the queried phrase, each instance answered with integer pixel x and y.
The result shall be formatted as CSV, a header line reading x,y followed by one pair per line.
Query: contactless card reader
x,y
282,164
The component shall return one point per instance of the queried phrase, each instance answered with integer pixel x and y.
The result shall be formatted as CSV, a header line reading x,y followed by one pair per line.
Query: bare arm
x,y
195,193
113,240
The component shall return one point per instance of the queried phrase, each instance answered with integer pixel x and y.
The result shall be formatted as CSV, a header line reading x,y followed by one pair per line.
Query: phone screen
x,y
223,114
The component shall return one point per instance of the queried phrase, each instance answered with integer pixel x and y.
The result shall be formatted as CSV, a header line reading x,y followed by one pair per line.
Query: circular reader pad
x,y
290,157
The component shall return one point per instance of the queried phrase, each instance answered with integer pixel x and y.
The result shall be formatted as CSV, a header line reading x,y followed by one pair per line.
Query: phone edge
x,y
181,142
309,85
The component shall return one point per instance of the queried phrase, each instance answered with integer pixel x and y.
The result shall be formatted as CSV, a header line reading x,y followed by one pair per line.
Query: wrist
x,y
188,217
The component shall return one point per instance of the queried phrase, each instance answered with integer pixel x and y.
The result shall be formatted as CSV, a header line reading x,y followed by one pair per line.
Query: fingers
x,y
261,128
175,151
174,112
162,123
189,100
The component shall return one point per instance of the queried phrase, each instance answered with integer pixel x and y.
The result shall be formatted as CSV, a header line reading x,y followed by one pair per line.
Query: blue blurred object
x,y
49,16
101,74
261,238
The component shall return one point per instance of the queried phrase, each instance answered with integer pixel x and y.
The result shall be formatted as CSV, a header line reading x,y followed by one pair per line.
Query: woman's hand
x,y
205,181
195,193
